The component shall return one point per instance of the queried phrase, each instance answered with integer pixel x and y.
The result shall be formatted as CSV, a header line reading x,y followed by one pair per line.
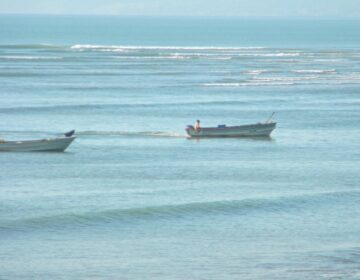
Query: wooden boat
x,y
58,144
251,130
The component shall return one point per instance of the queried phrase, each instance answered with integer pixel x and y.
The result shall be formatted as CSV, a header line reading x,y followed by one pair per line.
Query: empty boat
x,y
56,144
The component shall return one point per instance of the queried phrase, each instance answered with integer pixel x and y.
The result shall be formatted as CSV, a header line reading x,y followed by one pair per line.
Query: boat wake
x,y
166,134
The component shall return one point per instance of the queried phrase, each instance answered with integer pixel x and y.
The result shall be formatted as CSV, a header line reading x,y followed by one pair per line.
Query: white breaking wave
x,y
27,57
314,71
282,54
353,78
222,58
124,47
190,52
113,50
248,84
266,81
235,51
285,79
255,72
175,57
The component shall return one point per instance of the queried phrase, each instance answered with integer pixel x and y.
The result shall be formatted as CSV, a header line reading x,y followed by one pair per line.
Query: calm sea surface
x,y
132,197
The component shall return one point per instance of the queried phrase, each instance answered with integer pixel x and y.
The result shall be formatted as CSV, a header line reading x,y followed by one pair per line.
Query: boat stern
x,y
189,129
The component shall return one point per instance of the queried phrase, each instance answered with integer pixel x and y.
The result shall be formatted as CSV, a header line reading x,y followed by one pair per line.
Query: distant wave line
x,y
32,46
191,209
123,105
124,48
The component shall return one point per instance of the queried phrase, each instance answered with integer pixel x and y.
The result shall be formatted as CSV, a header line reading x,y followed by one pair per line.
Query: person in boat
x,y
197,125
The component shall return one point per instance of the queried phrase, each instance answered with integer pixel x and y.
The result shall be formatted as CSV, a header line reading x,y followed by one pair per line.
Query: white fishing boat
x,y
250,130
57,144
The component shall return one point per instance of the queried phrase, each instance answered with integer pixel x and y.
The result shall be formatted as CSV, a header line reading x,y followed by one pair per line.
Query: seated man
x,y
197,125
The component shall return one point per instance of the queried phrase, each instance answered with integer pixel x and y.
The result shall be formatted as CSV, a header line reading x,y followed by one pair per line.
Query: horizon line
x,y
187,16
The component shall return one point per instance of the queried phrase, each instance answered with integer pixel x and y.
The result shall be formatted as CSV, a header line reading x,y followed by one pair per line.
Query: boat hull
x,y
50,145
252,130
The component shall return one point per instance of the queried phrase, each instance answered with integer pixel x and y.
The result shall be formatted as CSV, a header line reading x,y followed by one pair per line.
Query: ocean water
x,y
132,197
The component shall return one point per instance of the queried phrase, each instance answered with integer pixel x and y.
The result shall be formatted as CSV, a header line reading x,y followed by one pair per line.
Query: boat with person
x,y
250,130
56,144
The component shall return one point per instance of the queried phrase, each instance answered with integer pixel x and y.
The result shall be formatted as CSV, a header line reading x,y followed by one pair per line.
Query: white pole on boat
x,y
270,118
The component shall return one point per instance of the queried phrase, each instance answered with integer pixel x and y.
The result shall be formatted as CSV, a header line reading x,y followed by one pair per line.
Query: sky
x,y
248,8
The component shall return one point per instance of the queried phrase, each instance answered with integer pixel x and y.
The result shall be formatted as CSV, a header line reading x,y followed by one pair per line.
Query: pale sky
x,y
257,8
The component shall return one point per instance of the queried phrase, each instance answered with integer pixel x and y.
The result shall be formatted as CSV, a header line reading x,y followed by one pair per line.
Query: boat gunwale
x,y
37,141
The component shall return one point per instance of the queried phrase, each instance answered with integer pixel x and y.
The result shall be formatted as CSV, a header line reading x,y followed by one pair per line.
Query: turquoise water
x,y
133,198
